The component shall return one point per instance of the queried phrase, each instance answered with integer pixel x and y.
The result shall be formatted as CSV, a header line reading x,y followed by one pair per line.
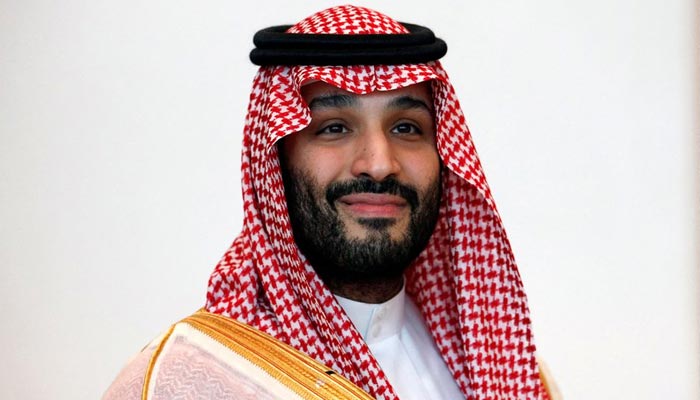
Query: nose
x,y
375,156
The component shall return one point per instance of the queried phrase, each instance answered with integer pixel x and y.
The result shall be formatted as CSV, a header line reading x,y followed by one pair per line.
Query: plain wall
x,y
120,131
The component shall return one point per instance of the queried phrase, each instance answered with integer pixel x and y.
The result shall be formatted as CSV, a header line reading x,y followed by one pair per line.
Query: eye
x,y
333,129
406,128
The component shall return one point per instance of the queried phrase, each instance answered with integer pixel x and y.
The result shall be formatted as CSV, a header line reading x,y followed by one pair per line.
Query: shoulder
x,y
548,382
209,356
128,384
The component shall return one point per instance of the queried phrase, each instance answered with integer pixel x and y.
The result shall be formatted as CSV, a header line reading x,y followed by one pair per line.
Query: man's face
x,y
363,180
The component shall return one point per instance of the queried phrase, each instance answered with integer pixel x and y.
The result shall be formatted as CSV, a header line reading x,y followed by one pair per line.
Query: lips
x,y
373,205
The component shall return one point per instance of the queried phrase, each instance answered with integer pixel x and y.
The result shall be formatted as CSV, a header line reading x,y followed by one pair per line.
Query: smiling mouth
x,y
373,205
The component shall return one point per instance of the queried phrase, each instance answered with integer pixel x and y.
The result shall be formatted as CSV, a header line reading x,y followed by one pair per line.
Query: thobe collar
x,y
376,322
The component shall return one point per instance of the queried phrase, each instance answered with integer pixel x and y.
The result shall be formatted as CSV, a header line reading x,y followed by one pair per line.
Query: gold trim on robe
x,y
265,363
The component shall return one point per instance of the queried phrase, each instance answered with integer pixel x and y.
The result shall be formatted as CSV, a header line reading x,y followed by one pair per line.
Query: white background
x,y
120,130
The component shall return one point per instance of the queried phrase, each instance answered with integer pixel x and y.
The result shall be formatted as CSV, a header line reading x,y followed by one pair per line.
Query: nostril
x,y
374,153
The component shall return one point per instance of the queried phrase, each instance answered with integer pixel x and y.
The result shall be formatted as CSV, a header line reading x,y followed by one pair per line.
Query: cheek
x,y
423,168
323,165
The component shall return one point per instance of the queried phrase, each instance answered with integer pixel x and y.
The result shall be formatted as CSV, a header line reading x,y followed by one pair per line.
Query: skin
x,y
379,136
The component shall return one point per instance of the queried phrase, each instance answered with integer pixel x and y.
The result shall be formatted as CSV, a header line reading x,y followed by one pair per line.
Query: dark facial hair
x,y
321,235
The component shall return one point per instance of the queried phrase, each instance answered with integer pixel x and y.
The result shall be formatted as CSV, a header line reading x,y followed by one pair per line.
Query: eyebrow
x,y
408,103
332,101
343,100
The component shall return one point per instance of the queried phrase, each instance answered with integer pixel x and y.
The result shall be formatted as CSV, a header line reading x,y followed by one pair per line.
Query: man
x,y
371,253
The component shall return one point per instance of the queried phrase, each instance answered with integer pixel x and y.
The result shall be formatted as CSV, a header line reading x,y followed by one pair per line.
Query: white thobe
x,y
400,341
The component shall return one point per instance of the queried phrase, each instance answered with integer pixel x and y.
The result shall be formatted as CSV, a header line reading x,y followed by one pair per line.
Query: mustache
x,y
391,186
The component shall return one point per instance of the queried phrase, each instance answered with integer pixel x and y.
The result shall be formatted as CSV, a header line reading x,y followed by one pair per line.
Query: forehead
x,y
419,90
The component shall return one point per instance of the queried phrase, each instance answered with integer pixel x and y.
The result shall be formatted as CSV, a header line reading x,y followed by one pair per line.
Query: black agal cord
x,y
276,47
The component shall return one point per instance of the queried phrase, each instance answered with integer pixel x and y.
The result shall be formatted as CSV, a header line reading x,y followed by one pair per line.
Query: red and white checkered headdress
x,y
465,282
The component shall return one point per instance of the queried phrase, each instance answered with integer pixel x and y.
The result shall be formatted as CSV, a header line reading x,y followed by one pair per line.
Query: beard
x,y
322,237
